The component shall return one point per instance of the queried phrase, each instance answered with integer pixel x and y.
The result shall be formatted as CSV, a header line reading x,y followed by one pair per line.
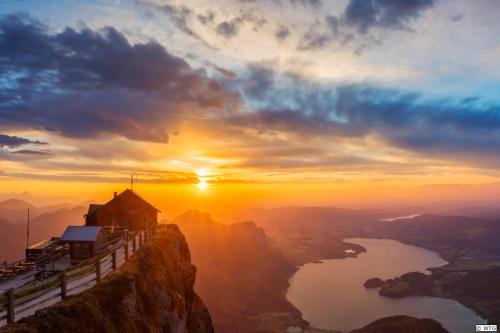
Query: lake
x,y
331,295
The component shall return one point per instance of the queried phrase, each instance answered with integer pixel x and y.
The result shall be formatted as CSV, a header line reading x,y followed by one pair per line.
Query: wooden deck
x,y
22,300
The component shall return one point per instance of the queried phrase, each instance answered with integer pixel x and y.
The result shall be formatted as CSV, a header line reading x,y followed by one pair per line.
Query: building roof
x,y
128,193
124,196
80,234
93,208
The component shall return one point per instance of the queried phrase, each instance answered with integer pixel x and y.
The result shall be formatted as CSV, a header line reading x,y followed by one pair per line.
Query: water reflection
x,y
331,295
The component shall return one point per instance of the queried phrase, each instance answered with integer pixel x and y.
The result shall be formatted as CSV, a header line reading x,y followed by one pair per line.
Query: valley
x,y
244,268
469,244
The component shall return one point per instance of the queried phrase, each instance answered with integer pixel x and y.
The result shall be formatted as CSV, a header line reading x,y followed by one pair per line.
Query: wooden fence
x,y
24,301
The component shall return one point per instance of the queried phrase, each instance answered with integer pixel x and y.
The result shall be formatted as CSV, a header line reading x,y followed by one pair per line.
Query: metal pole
x,y
64,285
28,231
98,270
10,306
126,247
113,256
132,180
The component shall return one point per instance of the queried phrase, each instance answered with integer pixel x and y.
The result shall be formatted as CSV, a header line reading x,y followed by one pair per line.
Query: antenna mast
x,y
132,180
28,230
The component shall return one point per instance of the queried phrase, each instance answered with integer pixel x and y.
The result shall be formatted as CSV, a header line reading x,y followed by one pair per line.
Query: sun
x,y
202,185
203,179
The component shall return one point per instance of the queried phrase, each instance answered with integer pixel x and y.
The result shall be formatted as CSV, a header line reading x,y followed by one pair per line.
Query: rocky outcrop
x,y
399,324
373,283
475,289
242,276
409,284
153,292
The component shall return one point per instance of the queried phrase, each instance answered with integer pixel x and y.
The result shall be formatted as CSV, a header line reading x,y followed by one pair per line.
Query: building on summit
x,y
126,210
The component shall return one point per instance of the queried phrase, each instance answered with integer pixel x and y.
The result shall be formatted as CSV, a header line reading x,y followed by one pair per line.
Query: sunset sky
x,y
239,103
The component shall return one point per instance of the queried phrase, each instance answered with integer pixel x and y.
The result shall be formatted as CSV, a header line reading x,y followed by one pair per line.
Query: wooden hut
x,y
84,241
127,210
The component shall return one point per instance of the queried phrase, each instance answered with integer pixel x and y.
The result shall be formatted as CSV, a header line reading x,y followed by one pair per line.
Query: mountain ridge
x,y
153,292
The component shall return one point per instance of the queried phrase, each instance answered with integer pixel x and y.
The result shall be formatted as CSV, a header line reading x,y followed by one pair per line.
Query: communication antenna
x,y
28,230
132,180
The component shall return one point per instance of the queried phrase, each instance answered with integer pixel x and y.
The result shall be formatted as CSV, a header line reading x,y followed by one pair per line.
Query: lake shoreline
x,y
441,263
456,266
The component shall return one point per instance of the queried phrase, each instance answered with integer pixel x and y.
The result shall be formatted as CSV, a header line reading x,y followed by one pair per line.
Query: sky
x,y
238,103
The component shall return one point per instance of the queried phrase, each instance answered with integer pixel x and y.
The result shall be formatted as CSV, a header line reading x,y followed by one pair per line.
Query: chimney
x,y
115,194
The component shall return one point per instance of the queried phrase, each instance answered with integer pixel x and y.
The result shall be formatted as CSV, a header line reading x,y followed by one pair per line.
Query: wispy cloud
x,y
267,89
16,141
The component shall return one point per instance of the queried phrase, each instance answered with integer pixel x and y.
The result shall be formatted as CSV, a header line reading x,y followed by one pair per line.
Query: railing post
x,y
64,285
10,306
98,270
113,261
134,245
146,235
126,247
140,239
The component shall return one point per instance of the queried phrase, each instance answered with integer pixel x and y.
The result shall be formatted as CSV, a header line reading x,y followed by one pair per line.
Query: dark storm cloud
x,y
282,33
230,28
335,32
227,29
207,18
408,121
259,81
15,141
312,41
366,14
85,83
353,26
443,128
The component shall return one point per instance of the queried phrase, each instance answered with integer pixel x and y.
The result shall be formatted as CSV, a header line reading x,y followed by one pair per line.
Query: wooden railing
x,y
17,303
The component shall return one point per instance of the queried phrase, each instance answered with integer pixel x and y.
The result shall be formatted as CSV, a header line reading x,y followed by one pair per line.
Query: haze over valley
x,y
249,166
276,246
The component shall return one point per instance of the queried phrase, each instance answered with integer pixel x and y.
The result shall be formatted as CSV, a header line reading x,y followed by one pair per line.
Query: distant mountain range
x,y
244,268
242,276
243,273
491,213
45,222
15,211
470,244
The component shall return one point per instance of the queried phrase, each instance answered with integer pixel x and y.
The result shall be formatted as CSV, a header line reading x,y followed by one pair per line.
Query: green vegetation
x,y
152,292
400,324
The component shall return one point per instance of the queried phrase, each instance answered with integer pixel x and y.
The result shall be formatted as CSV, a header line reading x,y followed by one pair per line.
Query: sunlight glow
x,y
202,185
203,178
202,172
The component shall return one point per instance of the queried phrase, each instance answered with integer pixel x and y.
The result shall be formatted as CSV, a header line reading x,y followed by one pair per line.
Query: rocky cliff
x,y
400,324
153,292
242,276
